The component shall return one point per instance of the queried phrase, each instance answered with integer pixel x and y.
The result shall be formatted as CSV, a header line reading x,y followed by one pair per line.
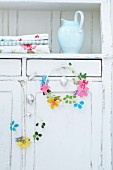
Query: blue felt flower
x,y
79,105
44,80
13,126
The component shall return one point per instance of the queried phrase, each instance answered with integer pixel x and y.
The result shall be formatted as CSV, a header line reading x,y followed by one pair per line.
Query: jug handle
x,y
81,21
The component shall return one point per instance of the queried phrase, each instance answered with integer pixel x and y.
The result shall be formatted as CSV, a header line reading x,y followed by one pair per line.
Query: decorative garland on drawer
x,y
81,90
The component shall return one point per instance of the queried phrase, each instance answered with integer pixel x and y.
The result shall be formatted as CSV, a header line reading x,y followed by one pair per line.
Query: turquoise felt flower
x,y
44,80
13,126
79,105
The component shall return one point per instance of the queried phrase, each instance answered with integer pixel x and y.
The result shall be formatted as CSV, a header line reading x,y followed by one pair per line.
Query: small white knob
x,y
30,99
63,81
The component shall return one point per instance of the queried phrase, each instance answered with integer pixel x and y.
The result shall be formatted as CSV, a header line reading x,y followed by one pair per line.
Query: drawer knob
x,y
63,81
30,99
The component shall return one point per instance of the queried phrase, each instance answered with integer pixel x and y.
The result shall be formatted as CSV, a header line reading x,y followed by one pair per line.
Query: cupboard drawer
x,y
10,67
93,68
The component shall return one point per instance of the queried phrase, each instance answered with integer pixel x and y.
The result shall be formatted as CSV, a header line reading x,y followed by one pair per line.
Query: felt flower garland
x,y
38,135
13,126
23,142
81,90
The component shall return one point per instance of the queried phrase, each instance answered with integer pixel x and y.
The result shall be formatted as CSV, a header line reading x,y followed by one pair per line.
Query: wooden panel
x,y
112,20
96,38
10,67
62,141
107,114
5,118
13,22
51,5
106,35
10,109
55,26
88,31
82,1
91,67
1,22
68,140
96,154
5,23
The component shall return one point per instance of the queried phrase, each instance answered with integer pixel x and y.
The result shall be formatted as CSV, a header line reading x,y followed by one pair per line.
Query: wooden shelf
x,y
54,1
57,55
50,5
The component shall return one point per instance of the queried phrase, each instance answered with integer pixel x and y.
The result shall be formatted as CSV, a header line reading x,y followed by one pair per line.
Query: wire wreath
x,y
80,91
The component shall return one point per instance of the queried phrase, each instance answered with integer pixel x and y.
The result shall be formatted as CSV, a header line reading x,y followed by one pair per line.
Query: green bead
x,y
66,101
64,98
74,96
34,136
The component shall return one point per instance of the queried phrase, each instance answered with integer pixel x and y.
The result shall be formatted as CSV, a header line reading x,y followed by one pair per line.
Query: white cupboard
x,y
73,139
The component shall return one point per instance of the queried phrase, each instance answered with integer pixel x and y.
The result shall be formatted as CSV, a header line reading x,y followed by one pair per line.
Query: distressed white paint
x,y
68,139
106,36
81,134
72,139
107,111
10,109
10,67
91,67
55,56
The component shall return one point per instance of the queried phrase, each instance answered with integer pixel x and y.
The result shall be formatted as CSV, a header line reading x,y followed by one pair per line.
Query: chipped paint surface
x,y
74,139
94,122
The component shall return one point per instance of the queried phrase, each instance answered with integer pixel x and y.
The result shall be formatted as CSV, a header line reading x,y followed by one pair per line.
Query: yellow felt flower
x,y
52,102
23,142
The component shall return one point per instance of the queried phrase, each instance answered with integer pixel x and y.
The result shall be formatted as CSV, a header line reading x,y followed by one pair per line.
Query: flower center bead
x,y
53,102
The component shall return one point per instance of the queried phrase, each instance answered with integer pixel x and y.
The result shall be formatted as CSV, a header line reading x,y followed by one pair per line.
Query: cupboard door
x,y
10,109
72,138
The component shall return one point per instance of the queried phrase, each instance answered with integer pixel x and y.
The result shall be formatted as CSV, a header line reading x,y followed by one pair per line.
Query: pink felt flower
x,y
44,88
82,91
82,83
